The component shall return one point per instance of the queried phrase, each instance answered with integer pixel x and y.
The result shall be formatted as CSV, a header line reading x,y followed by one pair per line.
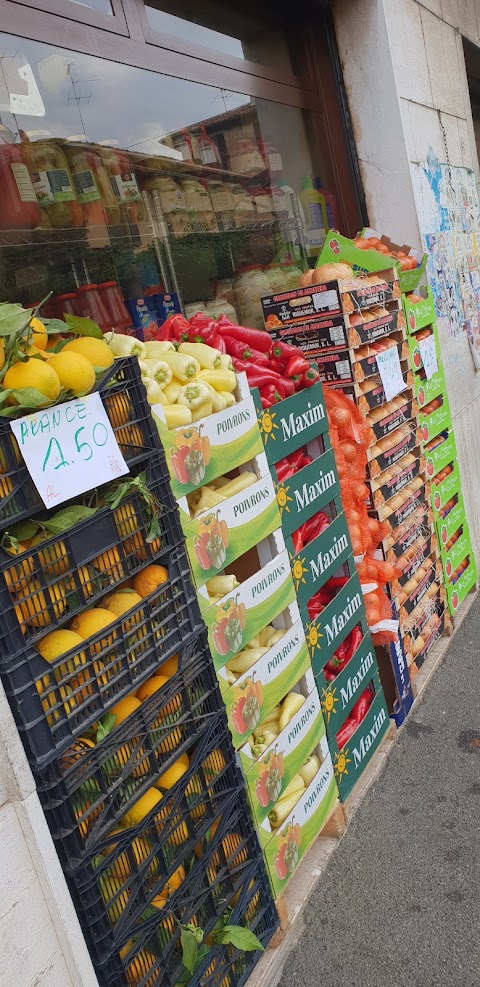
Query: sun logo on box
x,y
283,499
340,764
299,571
267,424
329,699
313,636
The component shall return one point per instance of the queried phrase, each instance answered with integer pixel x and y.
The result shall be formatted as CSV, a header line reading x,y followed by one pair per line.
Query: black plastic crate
x,y
154,959
115,892
88,790
43,588
54,703
125,401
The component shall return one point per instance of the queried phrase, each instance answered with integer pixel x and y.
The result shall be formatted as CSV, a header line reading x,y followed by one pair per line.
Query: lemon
x,y
140,809
171,776
56,643
119,409
96,351
74,372
40,335
91,621
150,686
33,373
124,708
32,610
121,601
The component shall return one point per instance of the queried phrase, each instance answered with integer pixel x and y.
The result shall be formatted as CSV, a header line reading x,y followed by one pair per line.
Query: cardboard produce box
x,y
267,776
292,423
339,696
351,760
308,491
314,564
419,314
341,248
434,420
458,590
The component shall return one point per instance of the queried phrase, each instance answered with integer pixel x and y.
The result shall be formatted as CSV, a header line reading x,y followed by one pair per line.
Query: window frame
x,y
115,22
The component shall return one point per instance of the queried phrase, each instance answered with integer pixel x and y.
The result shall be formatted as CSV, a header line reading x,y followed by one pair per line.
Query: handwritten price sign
x,y
429,355
390,371
69,449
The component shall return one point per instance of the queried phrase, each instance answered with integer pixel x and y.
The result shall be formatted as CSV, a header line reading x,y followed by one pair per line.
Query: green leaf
x,y
67,518
239,937
55,327
14,319
30,397
189,949
24,530
83,327
106,726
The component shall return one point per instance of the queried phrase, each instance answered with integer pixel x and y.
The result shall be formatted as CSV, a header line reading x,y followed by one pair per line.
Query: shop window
x,y
160,185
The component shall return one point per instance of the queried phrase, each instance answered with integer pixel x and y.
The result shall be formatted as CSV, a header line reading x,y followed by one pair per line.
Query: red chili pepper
x,y
202,327
218,342
328,675
309,378
314,526
354,639
236,348
288,387
177,326
296,366
258,339
345,732
165,332
269,395
275,365
297,540
362,705
177,460
283,351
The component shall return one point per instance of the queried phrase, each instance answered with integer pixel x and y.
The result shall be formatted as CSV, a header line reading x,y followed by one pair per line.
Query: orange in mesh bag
x,y
380,620
344,415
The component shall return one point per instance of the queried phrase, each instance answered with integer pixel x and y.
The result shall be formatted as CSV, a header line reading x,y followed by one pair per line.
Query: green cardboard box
x,y
458,552
217,444
340,248
320,559
239,616
431,425
442,492
220,536
352,759
338,697
442,455
267,776
284,849
456,592
447,526
277,671
426,390
418,315
291,423
334,623
305,493
415,354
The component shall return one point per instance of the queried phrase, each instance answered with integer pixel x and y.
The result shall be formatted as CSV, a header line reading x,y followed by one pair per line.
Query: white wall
x,y
42,943
405,75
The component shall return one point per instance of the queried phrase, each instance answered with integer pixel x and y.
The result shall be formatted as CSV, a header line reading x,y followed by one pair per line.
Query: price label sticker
x,y
69,448
428,354
390,371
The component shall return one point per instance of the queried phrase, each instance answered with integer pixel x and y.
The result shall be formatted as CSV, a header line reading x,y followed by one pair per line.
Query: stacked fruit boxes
x,y
338,639
438,442
241,569
120,713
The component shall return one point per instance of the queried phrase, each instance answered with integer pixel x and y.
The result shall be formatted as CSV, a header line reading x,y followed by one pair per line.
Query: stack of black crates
x,y
142,860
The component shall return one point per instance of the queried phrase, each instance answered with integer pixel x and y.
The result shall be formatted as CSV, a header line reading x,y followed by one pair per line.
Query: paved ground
x,y
399,905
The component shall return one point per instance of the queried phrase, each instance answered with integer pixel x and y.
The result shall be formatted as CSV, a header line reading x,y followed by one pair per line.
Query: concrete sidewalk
x,y
399,903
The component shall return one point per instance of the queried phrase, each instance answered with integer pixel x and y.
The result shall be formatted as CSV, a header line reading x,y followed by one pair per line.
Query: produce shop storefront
x,y
154,158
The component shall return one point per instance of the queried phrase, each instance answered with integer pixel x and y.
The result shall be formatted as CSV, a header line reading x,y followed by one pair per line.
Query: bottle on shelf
x,y
20,209
315,209
52,181
124,184
93,187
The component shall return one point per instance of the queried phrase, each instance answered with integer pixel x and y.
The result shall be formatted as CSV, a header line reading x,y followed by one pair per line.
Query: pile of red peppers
x,y
355,717
276,368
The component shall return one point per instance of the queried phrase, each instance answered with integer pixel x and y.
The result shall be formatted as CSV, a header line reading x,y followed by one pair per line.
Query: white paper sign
x,y
390,371
69,448
428,355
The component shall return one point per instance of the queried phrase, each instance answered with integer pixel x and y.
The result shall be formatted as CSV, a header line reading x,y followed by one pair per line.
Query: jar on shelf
x,y
199,206
93,187
20,209
223,204
244,209
172,201
124,184
245,158
262,198
112,298
52,183
249,286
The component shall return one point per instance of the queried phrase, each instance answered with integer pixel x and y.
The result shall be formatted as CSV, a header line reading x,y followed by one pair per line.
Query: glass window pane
x,y
110,173
229,30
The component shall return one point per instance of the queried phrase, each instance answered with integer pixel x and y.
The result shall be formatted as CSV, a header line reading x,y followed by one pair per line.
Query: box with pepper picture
x,y
285,754
291,827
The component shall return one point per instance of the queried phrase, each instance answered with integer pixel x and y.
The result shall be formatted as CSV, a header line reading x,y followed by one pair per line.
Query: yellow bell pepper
x,y
182,366
208,357
197,397
155,349
123,345
222,584
229,398
176,415
226,363
291,705
309,769
155,394
172,390
159,371
218,402
221,380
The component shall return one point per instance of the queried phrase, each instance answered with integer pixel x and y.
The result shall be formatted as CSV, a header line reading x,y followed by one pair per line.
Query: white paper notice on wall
x,y
390,371
69,448
428,354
